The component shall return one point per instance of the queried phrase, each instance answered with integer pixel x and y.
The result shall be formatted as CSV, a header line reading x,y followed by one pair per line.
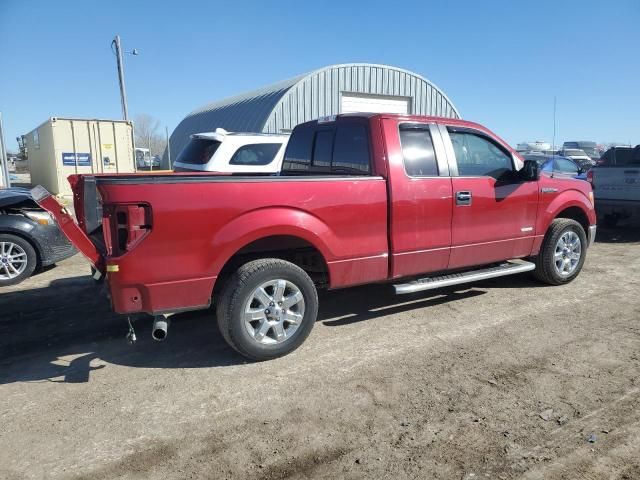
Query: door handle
x,y
463,198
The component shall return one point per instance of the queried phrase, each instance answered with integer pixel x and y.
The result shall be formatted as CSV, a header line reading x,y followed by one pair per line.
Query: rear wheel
x,y
17,259
563,252
267,308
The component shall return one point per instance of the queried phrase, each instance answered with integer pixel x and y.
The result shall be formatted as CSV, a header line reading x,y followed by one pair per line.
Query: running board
x,y
507,268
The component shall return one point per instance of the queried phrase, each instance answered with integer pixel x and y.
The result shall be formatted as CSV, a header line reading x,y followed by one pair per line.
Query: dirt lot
x,y
503,379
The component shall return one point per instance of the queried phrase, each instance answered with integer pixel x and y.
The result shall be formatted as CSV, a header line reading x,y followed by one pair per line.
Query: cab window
x,y
328,149
417,151
565,166
478,156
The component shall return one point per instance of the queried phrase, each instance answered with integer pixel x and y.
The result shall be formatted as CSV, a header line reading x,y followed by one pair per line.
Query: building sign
x,y
79,159
108,155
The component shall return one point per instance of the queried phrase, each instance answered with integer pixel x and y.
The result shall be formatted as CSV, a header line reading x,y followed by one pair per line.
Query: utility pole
x,y
4,173
123,91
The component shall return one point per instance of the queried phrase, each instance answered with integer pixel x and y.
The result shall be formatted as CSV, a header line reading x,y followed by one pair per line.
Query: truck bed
x,y
347,223
617,183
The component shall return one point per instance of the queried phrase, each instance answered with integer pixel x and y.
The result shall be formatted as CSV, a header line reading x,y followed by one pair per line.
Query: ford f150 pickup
x,y
419,202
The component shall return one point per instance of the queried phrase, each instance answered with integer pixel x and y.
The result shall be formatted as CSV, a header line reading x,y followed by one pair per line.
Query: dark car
x,y
29,237
559,165
620,156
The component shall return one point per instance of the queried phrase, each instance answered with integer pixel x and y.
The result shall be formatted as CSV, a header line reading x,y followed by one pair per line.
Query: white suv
x,y
231,152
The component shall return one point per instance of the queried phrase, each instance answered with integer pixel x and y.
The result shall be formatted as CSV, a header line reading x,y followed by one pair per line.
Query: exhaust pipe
x,y
160,327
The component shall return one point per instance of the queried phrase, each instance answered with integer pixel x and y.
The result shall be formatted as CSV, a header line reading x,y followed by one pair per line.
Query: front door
x,y
494,213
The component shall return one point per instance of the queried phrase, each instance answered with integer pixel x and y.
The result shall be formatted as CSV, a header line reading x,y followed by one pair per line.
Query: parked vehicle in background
x,y
232,152
421,202
144,160
557,165
537,146
616,185
29,237
617,155
578,156
590,148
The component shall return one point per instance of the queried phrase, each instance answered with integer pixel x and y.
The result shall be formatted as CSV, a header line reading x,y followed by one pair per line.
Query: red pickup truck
x,y
419,202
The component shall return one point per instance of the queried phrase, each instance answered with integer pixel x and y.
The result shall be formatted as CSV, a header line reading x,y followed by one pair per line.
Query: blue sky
x,y
500,62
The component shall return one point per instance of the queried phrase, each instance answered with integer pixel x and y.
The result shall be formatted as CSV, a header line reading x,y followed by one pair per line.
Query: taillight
x,y
590,177
125,226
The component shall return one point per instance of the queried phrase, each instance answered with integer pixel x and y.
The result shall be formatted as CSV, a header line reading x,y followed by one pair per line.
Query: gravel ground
x,y
502,379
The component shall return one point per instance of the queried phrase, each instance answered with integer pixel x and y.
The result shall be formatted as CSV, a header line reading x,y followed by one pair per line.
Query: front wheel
x,y
267,308
563,252
18,259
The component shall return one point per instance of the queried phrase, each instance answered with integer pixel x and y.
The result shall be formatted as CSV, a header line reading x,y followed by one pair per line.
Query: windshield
x,y
591,151
198,151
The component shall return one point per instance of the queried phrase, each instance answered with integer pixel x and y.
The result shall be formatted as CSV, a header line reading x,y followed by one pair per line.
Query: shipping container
x,y
63,146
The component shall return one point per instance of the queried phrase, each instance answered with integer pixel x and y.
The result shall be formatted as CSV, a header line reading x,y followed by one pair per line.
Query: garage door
x,y
358,102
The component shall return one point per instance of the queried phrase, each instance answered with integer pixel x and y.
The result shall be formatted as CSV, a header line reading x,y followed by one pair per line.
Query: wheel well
x,y
577,214
292,249
30,241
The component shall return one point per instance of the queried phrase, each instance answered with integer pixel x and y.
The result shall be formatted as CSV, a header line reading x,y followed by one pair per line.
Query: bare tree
x,y
147,134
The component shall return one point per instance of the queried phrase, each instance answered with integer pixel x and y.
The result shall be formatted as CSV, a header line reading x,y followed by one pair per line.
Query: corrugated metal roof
x,y
283,105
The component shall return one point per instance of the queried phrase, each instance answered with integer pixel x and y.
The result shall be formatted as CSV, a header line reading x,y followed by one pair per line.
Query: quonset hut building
x,y
346,88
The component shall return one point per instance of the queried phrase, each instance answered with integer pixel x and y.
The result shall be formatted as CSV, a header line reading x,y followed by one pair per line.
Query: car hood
x,y
17,198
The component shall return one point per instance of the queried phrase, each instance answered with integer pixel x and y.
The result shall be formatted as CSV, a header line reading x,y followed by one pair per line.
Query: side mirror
x,y
530,172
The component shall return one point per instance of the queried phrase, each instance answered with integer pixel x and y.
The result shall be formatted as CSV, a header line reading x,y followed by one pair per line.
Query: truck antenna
x,y
553,143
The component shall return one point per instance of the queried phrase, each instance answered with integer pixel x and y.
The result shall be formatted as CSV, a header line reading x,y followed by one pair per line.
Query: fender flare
x,y
268,222
567,199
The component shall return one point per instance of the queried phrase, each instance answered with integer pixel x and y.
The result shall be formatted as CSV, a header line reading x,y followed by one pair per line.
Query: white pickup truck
x,y
616,185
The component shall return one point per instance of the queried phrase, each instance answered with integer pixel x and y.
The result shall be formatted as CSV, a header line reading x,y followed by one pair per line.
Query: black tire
x,y
239,289
32,259
545,263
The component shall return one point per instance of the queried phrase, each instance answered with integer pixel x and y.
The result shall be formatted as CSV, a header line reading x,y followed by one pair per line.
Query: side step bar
x,y
507,268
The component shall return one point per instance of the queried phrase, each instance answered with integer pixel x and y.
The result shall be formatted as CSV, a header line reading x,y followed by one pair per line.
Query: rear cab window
x,y
198,151
340,147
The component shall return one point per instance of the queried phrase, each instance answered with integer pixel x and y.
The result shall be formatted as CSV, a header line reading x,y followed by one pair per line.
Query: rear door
x,y
421,201
494,213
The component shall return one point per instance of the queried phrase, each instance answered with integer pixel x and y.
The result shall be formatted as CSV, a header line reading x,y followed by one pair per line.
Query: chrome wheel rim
x,y
274,311
567,253
13,260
